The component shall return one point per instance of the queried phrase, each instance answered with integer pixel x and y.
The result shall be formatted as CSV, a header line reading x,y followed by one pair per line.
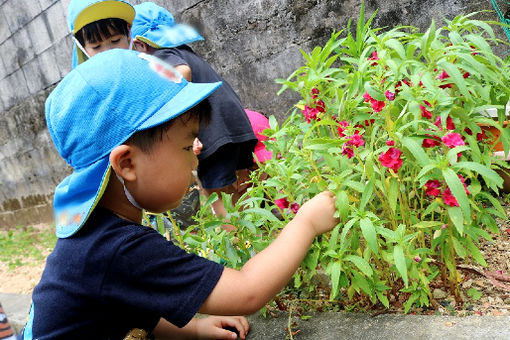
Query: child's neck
x,y
116,201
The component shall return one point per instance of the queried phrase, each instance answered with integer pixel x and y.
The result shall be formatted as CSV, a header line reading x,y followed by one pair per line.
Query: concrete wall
x,y
250,43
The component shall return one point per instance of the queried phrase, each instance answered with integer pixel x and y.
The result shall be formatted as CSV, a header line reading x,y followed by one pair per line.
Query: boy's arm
x,y
212,327
262,277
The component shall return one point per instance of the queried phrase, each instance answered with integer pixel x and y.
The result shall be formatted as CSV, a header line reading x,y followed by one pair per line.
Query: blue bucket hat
x,y
154,25
80,13
98,106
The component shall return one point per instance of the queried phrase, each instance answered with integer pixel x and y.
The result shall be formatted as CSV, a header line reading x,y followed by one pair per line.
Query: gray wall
x,y
250,43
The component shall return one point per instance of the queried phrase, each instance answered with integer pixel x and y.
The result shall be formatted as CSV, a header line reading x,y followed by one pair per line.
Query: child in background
x,y
228,141
97,26
109,274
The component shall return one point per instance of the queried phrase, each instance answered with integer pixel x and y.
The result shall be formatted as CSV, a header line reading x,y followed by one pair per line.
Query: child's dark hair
x,y
104,28
145,139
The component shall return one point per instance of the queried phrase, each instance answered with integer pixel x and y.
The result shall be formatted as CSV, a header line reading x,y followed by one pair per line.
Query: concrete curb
x,y
334,326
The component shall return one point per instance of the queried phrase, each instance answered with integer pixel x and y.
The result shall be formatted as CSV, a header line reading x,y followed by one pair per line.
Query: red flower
x,y
481,136
282,203
347,151
320,106
430,143
367,97
466,75
431,188
315,92
390,142
425,113
391,159
377,105
341,128
294,207
443,75
450,125
390,95
452,140
449,199
369,122
356,140
310,113
464,183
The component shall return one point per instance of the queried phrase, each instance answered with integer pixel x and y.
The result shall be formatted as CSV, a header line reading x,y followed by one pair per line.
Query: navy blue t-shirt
x,y
113,276
229,123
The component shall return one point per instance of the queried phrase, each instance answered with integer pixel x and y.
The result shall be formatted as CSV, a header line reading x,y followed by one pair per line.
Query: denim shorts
x,y
219,169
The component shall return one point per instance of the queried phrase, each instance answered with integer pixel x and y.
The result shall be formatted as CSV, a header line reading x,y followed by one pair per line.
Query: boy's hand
x,y
216,327
318,212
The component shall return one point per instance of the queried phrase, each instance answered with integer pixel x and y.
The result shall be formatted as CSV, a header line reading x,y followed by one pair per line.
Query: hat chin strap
x,y
80,47
129,197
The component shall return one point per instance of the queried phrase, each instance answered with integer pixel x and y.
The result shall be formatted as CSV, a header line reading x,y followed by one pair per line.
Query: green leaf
x,y
459,249
334,270
455,76
397,46
457,218
360,262
368,231
458,190
416,151
393,194
490,176
342,204
400,263
474,294
383,299
475,252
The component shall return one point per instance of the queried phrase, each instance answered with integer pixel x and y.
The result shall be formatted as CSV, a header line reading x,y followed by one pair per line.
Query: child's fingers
x,y
238,325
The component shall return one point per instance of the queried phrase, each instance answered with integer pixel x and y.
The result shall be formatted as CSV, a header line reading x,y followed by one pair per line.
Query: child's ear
x,y
140,46
121,160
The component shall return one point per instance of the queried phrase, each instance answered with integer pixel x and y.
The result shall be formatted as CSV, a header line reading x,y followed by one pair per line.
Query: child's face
x,y
114,41
164,174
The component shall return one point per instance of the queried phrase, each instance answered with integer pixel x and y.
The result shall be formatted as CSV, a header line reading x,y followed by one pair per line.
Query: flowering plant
x,y
390,121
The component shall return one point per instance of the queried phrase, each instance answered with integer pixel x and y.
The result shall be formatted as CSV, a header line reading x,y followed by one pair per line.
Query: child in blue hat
x,y
126,123
229,140
98,25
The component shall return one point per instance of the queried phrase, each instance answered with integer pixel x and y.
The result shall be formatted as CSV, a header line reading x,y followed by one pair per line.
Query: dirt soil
x,y
493,282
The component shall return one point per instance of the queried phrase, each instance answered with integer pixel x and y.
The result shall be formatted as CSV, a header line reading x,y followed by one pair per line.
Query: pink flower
x,y
452,140
425,113
367,97
341,128
310,113
450,125
356,140
443,75
390,95
294,207
417,259
431,188
377,105
391,159
449,199
282,203
347,151
390,142
374,56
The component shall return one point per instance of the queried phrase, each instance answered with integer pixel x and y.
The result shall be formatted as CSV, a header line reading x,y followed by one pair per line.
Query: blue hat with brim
x,y
98,106
80,13
154,25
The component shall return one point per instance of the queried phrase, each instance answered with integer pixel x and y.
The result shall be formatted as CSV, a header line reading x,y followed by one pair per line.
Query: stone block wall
x,y
251,43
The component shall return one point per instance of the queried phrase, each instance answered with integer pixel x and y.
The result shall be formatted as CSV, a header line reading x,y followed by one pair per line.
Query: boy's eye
x,y
189,148
96,47
115,41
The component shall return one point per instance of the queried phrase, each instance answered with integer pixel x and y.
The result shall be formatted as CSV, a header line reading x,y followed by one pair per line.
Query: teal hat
x,y
154,25
98,106
80,13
